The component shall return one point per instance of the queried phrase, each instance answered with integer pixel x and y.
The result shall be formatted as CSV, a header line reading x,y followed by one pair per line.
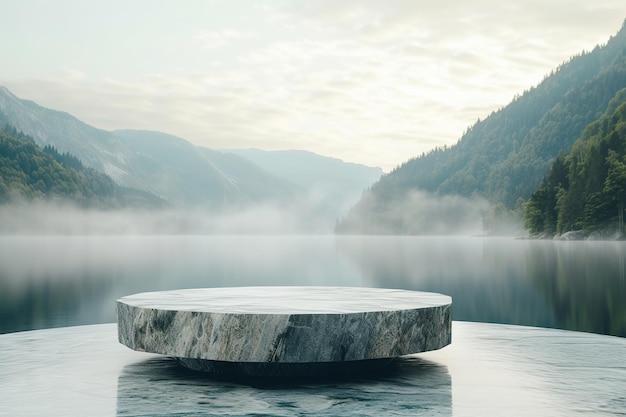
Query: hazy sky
x,y
369,81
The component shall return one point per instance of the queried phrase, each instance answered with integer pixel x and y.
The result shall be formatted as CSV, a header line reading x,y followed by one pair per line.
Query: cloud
x,y
416,213
305,216
219,38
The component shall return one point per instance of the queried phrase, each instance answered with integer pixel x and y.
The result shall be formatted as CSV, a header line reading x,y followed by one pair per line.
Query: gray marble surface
x,y
286,300
488,370
284,324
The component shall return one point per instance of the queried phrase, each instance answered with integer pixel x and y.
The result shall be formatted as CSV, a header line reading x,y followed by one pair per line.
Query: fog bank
x,y
68,219
416,213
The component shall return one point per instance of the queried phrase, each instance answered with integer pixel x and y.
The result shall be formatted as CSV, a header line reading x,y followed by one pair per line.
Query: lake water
x,y
62,281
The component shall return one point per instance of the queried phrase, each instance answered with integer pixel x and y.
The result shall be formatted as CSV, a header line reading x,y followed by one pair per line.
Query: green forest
x,y
504,158
586,189
28,172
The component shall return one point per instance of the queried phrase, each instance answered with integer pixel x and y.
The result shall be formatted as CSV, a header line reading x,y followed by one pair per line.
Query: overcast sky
x,y
369,81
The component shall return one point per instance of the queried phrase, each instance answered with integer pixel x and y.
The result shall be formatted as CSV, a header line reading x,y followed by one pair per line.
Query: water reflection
x,y
568,285
584,282
160,387
486,278
60,281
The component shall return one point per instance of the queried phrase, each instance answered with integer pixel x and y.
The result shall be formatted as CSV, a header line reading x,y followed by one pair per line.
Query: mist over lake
x,y
55,281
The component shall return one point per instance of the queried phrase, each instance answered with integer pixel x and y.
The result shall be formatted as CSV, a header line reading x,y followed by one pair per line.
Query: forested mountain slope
x,y
28,172
503,158
586,190
96,148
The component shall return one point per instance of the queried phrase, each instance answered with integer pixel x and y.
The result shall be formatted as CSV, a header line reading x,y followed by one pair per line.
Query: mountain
x,y
185,175
502,159
197,175
164,165
309,169
32,173
585,190
339,184
96,148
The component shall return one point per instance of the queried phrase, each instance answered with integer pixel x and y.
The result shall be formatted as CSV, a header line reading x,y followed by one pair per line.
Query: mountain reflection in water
x,y
61,281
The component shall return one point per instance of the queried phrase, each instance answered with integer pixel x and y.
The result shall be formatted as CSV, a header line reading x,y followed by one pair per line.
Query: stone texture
x,y
283,325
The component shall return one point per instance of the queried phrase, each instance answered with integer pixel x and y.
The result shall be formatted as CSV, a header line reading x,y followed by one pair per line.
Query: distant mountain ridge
x,y
503,158
339,184
307,168
196,175
182,174
125,157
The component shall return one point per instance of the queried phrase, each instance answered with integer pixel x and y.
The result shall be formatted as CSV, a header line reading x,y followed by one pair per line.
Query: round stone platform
x,y
278,331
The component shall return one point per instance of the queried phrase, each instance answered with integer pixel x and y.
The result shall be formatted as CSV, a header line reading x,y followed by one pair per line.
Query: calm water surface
x,y
62,281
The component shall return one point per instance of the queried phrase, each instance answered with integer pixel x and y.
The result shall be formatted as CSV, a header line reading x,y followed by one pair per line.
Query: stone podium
x,y
284,331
